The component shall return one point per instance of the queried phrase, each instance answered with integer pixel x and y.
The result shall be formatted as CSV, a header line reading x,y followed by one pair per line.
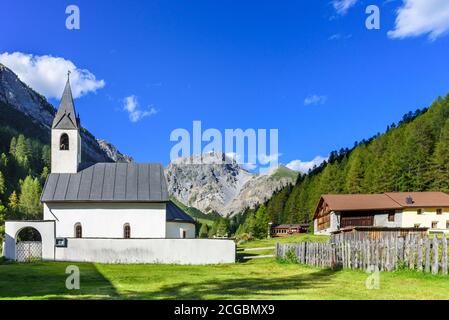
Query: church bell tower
x,y
65,136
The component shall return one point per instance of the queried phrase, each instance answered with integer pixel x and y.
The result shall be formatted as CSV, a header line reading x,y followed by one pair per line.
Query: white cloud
x,y
131,105
315,100
47,75
419,17
249,166
304,166
269,159
342,6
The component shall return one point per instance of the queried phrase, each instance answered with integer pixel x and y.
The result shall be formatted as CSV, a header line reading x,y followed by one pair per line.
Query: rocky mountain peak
x,y
112,152
214,182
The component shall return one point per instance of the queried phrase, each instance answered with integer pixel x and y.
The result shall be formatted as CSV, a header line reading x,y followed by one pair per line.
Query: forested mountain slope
x,y
410,156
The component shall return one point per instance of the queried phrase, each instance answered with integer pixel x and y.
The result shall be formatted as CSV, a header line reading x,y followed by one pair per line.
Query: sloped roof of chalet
x,y
176,214
66,116
420,199
354,202
294,225
108,182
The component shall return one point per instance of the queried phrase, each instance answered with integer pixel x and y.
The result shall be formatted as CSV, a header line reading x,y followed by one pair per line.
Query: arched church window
x,y
64,142
78,231
126,231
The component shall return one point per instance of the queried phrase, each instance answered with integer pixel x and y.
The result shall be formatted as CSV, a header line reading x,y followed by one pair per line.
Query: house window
x,y
447,224
417,225
439,211
419,211
64,142
126,231
391,217
434,224
78,231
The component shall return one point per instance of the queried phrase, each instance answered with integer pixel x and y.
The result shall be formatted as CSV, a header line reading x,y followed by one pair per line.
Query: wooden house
x,y
284,230
387,210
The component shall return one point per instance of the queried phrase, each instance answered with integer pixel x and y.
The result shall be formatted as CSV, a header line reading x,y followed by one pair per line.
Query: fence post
x,y
435,255
401,244
296,246
411,258
348,254
303,256
420,243
427,266
407,249
387,255
382,254
444,255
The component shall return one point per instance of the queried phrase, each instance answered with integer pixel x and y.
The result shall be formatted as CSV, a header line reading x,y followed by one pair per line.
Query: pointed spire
x,y
66,116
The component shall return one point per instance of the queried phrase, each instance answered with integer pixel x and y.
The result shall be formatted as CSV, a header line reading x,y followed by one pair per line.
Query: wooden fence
x,y
427,255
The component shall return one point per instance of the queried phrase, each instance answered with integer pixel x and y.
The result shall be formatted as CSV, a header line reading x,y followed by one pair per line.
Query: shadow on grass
x,y
48,281
241,287
240,256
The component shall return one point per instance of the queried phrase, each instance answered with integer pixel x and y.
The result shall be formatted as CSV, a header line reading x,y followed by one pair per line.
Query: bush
x,y
402,265
244,237
290,256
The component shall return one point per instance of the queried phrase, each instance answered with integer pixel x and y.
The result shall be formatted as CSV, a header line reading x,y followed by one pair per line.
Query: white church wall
x,y
106,220
163,251
65,161
175,230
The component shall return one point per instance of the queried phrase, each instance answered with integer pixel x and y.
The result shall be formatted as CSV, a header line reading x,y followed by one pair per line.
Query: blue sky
x,y
308,68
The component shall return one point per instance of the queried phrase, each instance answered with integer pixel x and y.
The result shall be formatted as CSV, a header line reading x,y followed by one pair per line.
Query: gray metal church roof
x,y
108,182
175,214
66,116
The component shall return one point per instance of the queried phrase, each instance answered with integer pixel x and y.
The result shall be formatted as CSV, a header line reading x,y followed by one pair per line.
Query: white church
x,y
108,212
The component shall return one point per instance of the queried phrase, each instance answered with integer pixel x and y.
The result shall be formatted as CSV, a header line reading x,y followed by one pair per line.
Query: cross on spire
x,y
68,74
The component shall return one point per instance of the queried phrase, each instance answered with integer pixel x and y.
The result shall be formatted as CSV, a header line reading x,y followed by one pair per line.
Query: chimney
x,y
409,200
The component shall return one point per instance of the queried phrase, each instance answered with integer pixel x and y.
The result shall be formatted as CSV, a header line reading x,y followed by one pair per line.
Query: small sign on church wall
x,y
61,243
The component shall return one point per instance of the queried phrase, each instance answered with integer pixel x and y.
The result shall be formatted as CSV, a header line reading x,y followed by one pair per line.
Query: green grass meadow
x,y
255,279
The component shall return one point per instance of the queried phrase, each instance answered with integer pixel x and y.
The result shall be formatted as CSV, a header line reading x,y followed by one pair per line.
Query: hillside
x,y
410,156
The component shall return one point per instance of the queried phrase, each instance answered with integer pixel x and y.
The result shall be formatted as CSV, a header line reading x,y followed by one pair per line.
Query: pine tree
x,y
13,203
204,231
260,228
44,174
12,148
3,161
355,173
29,200
3,212
46,156
21,147
439,173
416,154
2,183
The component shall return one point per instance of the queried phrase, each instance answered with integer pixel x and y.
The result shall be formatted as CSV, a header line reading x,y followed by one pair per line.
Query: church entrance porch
x,y
27,241
28,245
